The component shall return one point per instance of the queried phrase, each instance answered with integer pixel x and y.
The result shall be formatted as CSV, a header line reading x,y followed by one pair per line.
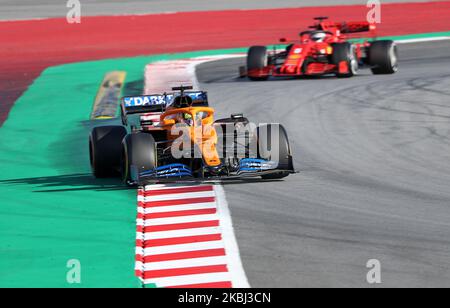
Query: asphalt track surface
x,y
27,9
374,159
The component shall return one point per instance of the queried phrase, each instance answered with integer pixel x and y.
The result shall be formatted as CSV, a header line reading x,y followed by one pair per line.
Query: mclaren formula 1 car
x,y
327,48
173,137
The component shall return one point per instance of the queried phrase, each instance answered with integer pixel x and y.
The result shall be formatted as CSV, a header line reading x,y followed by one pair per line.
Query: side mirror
x,y
283,40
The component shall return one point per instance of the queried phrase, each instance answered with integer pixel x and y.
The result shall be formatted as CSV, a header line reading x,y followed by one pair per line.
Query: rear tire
x,y
139,151
383,56
345,52
284,150
105,146
257,59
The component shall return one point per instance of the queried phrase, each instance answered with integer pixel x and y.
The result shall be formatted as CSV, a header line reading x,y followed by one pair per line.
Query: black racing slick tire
x,y
105,147
257,59
383,57
282,154
139,152
345,52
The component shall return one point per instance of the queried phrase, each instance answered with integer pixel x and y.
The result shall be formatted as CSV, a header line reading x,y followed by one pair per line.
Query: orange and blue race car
x,y
326,48
174,137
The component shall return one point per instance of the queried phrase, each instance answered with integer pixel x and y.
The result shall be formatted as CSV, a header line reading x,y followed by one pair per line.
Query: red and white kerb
x,y
185,239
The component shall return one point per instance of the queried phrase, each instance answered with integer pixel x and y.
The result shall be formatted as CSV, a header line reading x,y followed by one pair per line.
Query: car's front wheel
x,y
105,144
273,145
138,155
345,53
257,59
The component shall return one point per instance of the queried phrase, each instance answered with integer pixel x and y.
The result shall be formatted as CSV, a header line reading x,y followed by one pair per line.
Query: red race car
x,y
327,48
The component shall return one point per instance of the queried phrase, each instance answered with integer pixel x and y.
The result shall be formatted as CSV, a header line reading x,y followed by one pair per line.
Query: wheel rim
x,y
394,58
353,61
354,66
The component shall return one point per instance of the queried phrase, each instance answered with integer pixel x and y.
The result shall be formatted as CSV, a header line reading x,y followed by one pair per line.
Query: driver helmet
x,y
318,36
182,101
187,118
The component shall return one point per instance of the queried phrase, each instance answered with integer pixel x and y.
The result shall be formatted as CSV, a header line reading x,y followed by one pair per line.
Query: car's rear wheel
x,y
138,154
275,135
345,52
383,57
257,59
105,145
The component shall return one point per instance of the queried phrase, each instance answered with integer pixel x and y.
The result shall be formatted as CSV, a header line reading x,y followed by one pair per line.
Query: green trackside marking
x,y
51,209
418,36
409,37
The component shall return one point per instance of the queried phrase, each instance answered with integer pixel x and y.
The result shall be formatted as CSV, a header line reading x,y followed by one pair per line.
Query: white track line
x,y
192,195
185,263
161,76
160,250
168,186
176,220
235,264
181,233
177,208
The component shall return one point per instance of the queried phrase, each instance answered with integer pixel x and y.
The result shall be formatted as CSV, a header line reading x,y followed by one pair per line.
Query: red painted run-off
x,y
28,47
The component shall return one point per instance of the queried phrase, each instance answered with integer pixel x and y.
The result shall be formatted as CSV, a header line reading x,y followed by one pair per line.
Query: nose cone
x,y
298,51
217,170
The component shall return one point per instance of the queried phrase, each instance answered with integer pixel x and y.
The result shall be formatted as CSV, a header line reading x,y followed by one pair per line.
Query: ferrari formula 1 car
x,y
174,137
326,48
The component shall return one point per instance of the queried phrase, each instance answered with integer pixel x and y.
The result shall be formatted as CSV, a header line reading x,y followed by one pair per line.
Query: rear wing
x,y
351,27
142,104
355,27
157,103
199,98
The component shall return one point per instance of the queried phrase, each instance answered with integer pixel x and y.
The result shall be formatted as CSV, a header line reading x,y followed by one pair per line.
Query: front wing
x,y
248,168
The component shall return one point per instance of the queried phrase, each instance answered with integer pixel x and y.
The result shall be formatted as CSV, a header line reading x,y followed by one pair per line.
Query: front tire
x,y
257,59
105,146
383,56
139,153
283,154
345,52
